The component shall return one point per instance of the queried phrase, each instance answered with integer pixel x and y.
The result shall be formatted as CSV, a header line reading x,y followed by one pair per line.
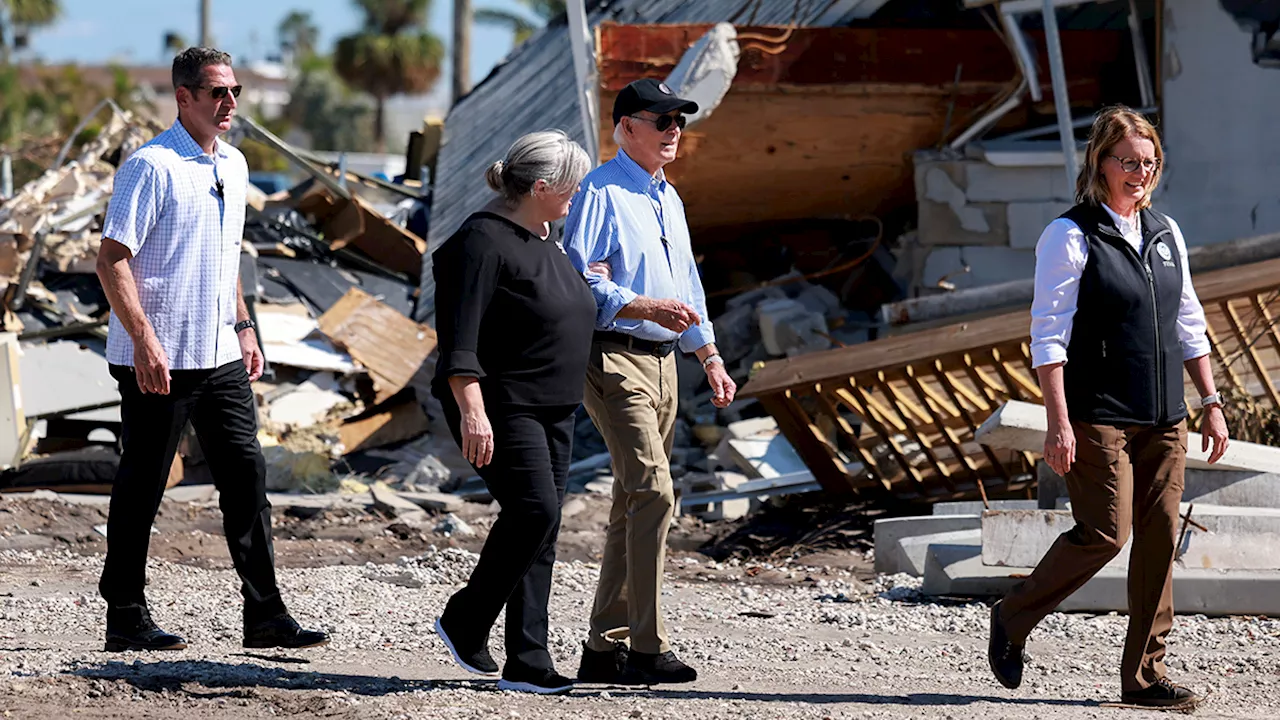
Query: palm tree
x,y
393,53
174,43
520,26
298,35
23,14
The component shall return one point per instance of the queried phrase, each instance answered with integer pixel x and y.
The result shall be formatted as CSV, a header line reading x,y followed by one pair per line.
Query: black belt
x,y
630,342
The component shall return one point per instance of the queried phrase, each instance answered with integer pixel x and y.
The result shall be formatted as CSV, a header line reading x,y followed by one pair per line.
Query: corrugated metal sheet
x,y
534,90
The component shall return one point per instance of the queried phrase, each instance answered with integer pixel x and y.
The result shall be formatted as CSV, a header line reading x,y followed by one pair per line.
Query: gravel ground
x,y
769,642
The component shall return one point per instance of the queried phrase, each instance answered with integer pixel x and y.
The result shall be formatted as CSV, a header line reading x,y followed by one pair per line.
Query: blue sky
x,y
132,31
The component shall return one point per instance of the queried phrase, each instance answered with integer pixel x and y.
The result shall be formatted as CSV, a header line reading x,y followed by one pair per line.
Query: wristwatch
x,y
711,360
1214,399
246,324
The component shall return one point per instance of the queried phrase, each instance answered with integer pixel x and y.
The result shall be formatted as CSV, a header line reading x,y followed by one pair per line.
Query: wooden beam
x,y
794,426
1246,346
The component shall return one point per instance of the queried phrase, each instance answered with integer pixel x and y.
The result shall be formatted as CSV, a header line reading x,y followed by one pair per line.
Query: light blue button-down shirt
x,y
621,216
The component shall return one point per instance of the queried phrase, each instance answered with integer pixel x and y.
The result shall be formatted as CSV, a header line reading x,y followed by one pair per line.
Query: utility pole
x,y
205,40
461,48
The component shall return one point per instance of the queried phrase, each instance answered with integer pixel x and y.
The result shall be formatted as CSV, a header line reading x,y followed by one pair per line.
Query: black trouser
x,y
221,407
527,477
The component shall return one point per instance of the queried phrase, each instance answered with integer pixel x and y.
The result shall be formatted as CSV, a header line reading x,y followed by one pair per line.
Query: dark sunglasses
x,y
663,123
218,92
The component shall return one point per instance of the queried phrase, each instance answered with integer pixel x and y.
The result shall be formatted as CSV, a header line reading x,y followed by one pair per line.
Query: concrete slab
x,y
1027,220
975,507
957,570
987,265
1021,426
988,183
62,376
1241,488
915,550
889,533
1234,538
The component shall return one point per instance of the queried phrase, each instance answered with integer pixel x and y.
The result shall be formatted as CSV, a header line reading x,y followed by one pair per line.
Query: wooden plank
x,y
851,437
926,446
952,439
872,417
795,429
1246,345
952,389
400,422
391,346
1224,364
969,336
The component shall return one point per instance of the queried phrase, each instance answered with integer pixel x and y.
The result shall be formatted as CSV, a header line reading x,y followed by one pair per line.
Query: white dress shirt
x,y
1060,259
185,239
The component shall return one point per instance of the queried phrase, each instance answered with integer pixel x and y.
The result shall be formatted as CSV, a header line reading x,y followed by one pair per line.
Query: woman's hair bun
x,y
493,176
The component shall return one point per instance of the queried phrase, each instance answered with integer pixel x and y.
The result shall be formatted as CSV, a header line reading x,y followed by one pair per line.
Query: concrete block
x,y
787,325
1027,220
1238,488
1235,538
940,225
939,188
957,570
987,266
975,507
1020,425
988,183
914,550
889,533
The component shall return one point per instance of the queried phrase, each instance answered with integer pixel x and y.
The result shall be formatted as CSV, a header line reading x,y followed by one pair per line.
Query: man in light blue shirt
x,y
627,234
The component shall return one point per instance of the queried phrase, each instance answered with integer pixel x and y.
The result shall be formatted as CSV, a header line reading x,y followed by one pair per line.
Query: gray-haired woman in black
x,y
515,321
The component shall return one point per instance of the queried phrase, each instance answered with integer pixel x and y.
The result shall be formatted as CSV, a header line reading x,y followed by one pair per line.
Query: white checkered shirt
x,y
185,242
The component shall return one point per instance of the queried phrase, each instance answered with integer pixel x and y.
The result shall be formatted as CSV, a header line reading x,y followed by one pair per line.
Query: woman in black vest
x,y
1113,323
515,321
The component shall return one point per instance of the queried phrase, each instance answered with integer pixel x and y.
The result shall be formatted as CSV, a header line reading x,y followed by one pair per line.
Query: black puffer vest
x,y
1124,361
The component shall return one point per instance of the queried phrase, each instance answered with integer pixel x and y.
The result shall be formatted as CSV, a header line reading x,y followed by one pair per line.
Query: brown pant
x,y
1121,477
631,397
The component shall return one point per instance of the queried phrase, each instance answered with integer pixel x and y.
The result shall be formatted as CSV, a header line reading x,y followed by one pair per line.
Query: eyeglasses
x,y
1130,164
218,92
663,122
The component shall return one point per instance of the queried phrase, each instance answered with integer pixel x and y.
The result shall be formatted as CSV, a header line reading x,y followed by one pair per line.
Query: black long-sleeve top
x,y
512,311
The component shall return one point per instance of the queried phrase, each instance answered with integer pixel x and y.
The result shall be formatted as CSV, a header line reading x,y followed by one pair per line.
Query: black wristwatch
x,y
246,324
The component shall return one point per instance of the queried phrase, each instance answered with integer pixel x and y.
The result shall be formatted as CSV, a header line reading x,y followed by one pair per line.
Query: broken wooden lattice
x,y
897,416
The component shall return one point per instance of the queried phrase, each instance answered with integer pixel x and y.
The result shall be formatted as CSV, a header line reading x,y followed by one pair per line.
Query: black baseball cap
x,y
652,95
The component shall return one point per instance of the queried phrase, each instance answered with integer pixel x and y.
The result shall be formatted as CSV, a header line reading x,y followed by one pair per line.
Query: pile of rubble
x,y
331,275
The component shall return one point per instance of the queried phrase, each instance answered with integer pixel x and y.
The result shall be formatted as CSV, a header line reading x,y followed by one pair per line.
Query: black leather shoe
x,y
141,635
1004,656
282,631
538,682
476,660
661,669
1163,694
602,666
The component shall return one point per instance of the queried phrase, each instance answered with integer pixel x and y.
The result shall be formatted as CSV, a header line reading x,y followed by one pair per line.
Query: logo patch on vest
x,y
1165,254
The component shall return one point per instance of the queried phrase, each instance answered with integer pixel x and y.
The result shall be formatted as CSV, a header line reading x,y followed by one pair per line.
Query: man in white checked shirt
x,y
182,347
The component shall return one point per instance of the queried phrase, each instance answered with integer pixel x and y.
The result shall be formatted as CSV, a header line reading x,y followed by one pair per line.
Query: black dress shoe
x,y
476,660
661,669
282,631
602,666
1163,694
1004,656
538,682
141,635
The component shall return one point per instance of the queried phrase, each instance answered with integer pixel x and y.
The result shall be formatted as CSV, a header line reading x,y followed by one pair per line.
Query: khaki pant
x,y
1121,477
631,397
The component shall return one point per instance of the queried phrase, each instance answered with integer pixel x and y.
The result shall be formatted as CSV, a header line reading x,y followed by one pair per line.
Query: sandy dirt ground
x,y
818,636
